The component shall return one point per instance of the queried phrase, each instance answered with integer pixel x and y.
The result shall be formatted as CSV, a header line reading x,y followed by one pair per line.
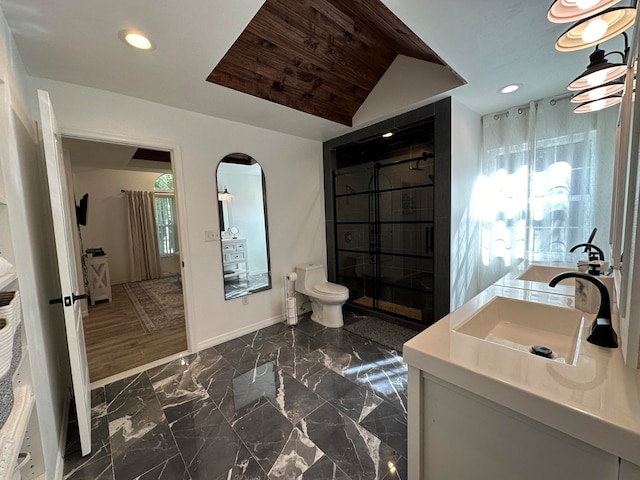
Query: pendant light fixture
x,y
596,29
600,70
596,93
600,104
565,11
224,196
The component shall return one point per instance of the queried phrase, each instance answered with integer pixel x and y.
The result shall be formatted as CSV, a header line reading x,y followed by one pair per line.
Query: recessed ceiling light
x,y
136,39
387,135
510,88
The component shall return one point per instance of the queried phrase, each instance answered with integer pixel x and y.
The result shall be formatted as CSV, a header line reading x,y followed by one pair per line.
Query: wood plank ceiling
x,y
322,57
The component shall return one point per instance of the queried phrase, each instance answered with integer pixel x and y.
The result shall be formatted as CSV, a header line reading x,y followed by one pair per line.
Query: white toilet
x,y
326,298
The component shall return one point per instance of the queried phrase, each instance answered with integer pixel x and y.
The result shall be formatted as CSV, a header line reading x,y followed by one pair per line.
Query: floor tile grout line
x,y
169,426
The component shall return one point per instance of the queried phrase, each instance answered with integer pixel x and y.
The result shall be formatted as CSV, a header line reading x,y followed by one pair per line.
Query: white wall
x,y
295,197
466,134
107,221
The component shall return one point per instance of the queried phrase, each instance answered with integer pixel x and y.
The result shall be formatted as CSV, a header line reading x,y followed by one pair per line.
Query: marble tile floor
x,y
298,403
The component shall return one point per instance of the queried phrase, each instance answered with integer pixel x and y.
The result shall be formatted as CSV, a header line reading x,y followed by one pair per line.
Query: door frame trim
x,y
178,182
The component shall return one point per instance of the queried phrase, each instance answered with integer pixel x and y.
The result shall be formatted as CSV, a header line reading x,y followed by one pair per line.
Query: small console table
x,y
99,280
234,258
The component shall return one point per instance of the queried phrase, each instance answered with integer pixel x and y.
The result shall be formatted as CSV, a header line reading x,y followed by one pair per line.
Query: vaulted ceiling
x,y
321,57
488,43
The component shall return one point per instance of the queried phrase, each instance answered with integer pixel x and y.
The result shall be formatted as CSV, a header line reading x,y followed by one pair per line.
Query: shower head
x,y
424,157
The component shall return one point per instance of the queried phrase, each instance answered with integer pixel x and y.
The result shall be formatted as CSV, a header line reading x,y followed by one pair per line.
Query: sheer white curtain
x,y
500,200
546,183
144,257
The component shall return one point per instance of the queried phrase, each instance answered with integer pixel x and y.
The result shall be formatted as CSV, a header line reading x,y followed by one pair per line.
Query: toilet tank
x,y
310,274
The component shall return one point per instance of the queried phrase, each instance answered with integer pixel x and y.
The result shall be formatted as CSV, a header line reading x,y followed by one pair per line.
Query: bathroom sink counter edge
x,y
596,400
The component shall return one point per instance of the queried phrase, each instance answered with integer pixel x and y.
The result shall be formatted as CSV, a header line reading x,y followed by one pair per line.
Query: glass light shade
x,y
597,78
590,31
596,105
597,93
565,11
598,72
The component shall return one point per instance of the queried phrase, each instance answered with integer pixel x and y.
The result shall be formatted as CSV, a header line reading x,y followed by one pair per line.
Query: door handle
x,y
67,301
429,240
78,297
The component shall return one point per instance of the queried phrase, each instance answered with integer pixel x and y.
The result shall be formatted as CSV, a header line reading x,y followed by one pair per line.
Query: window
x,y
539,193
166,215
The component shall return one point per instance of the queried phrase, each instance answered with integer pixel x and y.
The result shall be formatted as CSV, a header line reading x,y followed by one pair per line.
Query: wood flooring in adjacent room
x,y
116,340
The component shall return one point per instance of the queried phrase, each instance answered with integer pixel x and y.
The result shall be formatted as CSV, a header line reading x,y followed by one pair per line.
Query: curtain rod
x,y
552,101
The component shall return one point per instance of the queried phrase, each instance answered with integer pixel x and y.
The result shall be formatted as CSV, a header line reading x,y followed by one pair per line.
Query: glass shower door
x,y
384,228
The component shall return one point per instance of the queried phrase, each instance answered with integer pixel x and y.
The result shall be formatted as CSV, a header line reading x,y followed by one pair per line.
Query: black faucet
x,y
597,255
601,331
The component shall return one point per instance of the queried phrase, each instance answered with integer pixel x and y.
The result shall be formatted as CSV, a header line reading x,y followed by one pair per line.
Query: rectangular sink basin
x,y
544,273
519,324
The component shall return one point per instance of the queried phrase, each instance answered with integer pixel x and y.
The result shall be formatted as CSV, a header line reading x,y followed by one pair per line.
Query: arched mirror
x,y
242,209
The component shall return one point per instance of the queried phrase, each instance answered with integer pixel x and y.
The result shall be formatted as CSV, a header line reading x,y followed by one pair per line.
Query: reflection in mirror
x,y
242,211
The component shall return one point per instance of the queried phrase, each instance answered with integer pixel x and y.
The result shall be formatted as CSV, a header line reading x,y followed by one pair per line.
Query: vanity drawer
x,y
234,256
241,246
229,247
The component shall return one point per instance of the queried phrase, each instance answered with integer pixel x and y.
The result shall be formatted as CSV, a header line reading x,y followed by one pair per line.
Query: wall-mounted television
x,y
81,210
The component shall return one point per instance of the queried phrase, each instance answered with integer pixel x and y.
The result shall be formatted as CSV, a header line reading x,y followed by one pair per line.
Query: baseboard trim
x,y
212,342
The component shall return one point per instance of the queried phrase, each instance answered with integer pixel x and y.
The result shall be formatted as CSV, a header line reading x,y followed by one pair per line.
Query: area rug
x,y
158,303
385,333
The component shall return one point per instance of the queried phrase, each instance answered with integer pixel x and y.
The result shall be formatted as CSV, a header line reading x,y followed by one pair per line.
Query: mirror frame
x,y
623,237
243,159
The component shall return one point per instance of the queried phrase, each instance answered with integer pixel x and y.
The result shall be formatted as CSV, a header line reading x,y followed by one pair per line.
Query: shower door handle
x,y
429,239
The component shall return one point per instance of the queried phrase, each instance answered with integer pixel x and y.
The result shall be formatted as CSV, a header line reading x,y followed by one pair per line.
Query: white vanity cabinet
x,y
234,256
482,408
462,435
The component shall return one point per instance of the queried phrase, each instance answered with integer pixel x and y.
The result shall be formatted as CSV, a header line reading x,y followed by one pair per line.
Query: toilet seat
x,y
329,288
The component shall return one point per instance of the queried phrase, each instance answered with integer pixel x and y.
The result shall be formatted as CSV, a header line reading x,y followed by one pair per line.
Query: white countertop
x,y
597,400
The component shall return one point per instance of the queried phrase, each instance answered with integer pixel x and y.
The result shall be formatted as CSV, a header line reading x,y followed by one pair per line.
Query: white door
x,y
63,226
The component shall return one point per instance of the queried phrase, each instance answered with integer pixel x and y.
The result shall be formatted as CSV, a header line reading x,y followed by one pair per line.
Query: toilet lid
x,y
330,288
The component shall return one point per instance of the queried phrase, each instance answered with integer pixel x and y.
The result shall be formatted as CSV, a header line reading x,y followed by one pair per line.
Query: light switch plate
x,y
211,236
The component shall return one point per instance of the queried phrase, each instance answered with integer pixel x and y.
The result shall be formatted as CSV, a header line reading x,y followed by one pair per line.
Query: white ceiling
x,y
490,43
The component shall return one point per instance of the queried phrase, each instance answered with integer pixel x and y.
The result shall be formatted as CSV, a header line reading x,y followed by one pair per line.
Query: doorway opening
x,y
135,313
